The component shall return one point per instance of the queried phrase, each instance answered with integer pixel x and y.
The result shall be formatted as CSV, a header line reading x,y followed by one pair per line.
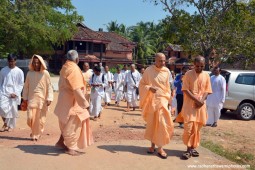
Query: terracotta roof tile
x,y
86,34
118,43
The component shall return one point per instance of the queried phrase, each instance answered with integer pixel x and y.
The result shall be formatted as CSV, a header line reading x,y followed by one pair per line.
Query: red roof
x,y
86,34
118,43
89,58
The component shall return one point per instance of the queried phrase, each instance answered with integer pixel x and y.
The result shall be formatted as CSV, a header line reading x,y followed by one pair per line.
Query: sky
x,y
98,13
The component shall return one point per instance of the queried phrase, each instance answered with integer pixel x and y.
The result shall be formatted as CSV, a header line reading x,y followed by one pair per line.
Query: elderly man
x,y
38,93
72,108
87,76
108,88
98,82
11,84
132,80
154,99
196,87
215,101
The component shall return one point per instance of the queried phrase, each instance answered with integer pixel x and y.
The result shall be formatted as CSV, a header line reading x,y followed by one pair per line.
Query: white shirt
x,y
98,80
11,81
119,81
132,82
109,77
218,84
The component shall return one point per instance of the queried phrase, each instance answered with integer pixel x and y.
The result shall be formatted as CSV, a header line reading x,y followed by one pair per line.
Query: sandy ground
x,y
119,144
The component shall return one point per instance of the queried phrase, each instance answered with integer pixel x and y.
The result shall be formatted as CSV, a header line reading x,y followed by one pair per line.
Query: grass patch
x,y
235,156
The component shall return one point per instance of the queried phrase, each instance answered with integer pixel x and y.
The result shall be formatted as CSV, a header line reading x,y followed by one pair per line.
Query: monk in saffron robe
x,y
38,94
87,74
196,87
72,108
155,95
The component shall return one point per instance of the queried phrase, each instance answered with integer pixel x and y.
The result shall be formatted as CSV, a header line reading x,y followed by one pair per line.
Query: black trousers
x,y
179,98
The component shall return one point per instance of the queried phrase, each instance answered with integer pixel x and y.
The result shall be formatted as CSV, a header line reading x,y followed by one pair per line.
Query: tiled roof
x,y
174,47
86,34
118,43
89,58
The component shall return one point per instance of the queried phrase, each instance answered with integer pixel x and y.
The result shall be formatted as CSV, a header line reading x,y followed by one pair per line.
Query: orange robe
x,y
37,91
194,118
87,76
71,108
159,129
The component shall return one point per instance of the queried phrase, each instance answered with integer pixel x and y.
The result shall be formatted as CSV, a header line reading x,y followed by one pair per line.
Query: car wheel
x,y
223,111
245,111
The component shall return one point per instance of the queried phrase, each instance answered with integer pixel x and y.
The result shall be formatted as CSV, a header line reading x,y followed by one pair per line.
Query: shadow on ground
x,y
137,150
131,126
41,149
15,138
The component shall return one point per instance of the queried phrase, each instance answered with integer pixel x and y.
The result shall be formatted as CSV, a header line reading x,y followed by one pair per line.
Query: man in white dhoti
x,y
98,82
108,88
11,84
118,86
215,101
132,80
124,71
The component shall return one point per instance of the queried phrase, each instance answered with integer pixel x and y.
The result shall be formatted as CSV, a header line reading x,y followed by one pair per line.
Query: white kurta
x,y
108,88
124,72
132,84
118,86
11,81
97,93
215,100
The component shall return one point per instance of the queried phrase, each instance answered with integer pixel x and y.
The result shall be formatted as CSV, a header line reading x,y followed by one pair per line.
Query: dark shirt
x,y
178,84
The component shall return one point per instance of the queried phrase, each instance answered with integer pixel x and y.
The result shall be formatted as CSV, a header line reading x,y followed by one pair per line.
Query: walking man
x,y
87,76
108,88
98,82
196,87
72,108
155,95
215,101
38,94
11,84
179,93
118,86
132,82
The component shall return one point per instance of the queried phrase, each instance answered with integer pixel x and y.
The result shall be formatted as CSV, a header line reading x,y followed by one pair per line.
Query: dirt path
x,y
119,144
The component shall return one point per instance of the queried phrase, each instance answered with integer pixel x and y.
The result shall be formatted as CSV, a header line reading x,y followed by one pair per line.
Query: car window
x,y
247,79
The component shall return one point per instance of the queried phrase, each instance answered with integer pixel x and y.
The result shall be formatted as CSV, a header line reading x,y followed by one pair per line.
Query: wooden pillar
x,y
87,47
92,48
101,52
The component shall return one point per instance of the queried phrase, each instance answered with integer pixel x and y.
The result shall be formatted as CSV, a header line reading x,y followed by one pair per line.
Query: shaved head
x,y
199,59
86,66
199,64
160,60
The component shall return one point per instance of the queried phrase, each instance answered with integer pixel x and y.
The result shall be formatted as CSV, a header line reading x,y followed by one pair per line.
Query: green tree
x,y
205,25
29,26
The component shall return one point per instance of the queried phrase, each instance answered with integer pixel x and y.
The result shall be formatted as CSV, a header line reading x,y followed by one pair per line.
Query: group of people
x,y
37,94
81,94
194,89
101,83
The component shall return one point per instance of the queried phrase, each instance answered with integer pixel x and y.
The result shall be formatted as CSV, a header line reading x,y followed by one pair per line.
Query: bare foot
x,y
61,145
74,152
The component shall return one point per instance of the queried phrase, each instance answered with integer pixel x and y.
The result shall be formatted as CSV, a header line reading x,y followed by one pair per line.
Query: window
x,y
247,79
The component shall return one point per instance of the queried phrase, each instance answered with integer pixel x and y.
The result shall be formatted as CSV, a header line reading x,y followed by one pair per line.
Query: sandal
x,y
214,124
151,150
162,155
186,155
194,153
